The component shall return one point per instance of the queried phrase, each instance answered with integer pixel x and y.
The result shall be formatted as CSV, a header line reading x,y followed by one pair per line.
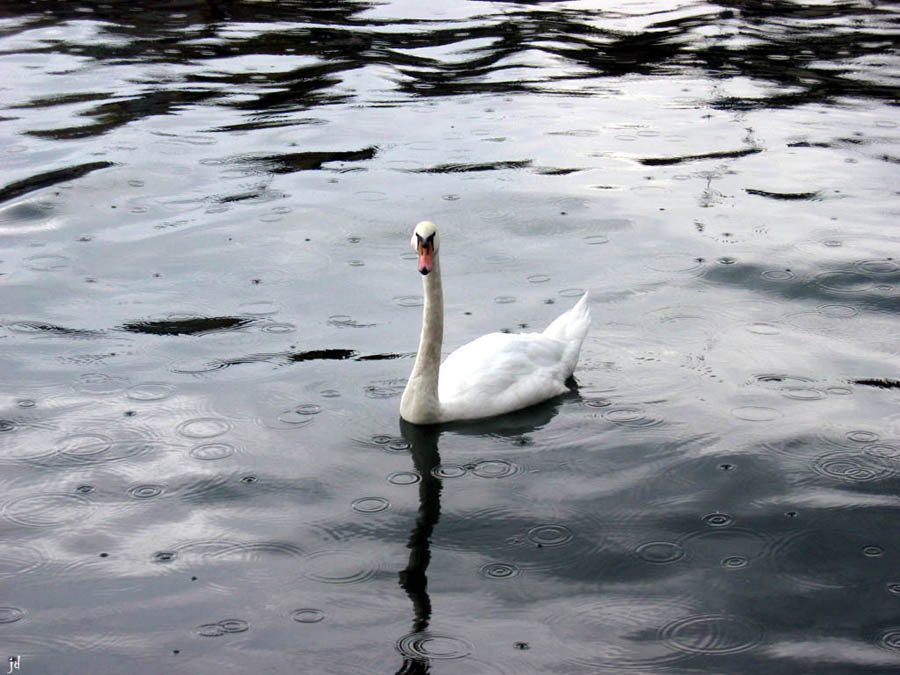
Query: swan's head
x,y
425,242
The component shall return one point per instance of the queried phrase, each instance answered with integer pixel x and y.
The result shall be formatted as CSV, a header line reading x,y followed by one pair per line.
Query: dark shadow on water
x,y
785,196
332,354
307,161
308,355
109,116
48,329
42,180
382,357
878,382
198,325
819,289
470,168
725,154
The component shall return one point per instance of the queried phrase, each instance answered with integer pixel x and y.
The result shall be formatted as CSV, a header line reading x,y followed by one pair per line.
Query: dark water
x,y
208,309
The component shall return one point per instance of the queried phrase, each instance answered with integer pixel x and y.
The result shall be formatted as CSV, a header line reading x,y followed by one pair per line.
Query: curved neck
x,y
420,403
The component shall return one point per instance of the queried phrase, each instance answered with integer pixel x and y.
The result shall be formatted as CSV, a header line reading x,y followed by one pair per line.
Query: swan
x,y
492,375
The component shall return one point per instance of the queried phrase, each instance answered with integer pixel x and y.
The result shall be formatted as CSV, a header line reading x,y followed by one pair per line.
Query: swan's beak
x,y
426,256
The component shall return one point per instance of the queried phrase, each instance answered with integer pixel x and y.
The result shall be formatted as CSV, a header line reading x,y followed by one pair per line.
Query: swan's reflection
x,y
423,441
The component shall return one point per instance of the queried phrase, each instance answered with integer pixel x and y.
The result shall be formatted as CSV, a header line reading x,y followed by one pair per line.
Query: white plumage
x,y
494,374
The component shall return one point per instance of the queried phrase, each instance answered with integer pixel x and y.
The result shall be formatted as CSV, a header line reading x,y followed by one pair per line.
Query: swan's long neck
x,y
420,403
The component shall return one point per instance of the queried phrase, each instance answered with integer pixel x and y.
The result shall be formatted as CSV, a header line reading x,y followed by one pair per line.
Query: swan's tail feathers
x,y
571,327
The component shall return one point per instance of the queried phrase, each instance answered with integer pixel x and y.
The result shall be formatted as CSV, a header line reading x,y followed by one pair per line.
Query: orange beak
x,y
426,256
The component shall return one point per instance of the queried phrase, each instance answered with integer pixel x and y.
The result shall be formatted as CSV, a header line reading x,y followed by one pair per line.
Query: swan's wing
x,y
501,372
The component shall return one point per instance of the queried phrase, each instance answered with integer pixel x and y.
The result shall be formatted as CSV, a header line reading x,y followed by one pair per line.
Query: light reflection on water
x,y
209,311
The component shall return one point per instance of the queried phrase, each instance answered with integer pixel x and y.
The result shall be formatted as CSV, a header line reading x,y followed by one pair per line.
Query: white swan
x,y
495,374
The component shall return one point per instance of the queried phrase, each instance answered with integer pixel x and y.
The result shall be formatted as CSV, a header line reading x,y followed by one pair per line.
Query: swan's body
x,y
495,374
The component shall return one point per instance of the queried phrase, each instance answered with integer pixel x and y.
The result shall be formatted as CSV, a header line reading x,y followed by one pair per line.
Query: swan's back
x,y
502,372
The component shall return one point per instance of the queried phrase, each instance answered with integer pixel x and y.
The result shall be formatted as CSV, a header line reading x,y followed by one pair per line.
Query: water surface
x,y
208,310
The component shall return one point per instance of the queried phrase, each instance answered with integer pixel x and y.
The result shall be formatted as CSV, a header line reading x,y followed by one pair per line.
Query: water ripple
x,y
204,427
890,639
730,548
713,634
755,413
862,436
47,510
212,451
338,567
844,282
449,471
427,646
370,504
20,560
499,570
660,552
222,627
550,535
718,519
385,389
847,466
150,391
878,266
404,478
84,446
11,614
883,450
630,416
831,559
619,634
495,468
675,262
100,384
307,615
145,491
